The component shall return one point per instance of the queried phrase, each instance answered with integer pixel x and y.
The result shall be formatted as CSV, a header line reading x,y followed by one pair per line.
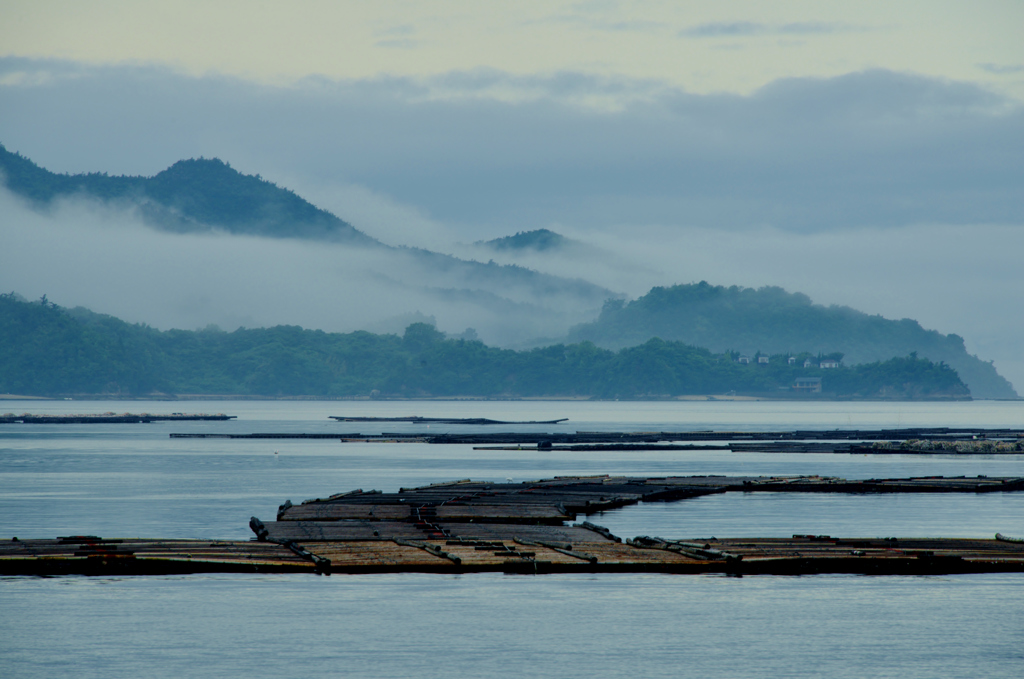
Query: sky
x,y
702,47
864,153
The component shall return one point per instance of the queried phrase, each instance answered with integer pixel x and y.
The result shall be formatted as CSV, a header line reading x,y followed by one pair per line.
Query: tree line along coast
x,y
52,351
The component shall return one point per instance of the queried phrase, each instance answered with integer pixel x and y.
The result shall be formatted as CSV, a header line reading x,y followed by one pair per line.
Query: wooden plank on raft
x,y
499,532
337,511
146,557
498,513
340,531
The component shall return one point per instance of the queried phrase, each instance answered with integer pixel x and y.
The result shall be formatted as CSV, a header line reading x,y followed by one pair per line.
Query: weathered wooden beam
x,y
561,549
427,547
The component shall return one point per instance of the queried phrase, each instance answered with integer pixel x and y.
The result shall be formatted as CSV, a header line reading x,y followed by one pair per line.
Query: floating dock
x,y
443,420
467,526
851,441
110,418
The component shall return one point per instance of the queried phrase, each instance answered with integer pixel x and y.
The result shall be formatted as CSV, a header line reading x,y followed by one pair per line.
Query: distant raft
x,y
443,420
110,418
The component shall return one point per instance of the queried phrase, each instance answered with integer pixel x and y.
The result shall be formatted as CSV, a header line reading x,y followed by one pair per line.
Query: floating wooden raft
x,y
91,555
543,549
653,437
967,441
443,420
472,526
560,499
111,418
467,526
644,554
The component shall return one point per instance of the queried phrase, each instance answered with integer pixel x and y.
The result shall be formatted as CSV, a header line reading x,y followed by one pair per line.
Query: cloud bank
x,y
490,153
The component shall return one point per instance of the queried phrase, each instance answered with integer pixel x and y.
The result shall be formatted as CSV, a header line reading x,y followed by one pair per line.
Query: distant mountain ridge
x,y
191,195
774,321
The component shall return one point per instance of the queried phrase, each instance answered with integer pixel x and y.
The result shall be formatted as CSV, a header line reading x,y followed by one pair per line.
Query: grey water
x,y
136,481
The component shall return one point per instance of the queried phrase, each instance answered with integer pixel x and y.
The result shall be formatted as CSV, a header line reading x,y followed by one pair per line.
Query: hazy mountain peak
x,y
191,195
537,240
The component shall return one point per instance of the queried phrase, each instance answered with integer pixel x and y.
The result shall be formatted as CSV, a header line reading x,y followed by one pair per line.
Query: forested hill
x,y
49,351
772,320
191,195
538,240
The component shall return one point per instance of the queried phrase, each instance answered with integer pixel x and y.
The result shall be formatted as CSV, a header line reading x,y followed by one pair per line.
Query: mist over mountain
x,y
255,254
196,195
206,195
505,302
773,321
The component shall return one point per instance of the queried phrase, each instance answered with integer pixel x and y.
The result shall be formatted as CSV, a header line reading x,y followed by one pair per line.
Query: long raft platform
x,y
112,418
941,440
466,526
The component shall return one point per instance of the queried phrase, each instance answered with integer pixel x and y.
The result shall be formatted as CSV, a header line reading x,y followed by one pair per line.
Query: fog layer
x,y
962,279
103,257
949,278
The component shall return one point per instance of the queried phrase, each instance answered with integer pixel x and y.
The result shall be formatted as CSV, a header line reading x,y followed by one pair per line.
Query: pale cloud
x,y
738,29
359,40
378,215
1002,69
404,30
588,21
399,43
398,36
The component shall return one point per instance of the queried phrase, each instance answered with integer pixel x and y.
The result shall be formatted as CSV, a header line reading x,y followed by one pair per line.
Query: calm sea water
x,y
133,480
